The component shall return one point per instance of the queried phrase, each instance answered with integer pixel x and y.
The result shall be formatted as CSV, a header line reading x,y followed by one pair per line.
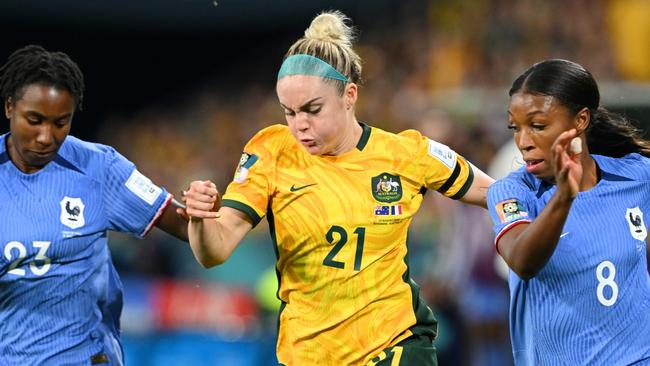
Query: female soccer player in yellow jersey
x,y
339,196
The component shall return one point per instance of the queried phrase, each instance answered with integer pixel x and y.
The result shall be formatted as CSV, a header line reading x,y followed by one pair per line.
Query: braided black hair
x,y
33,64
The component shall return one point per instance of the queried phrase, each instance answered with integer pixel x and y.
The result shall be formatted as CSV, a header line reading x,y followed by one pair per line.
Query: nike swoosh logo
x,y
295,189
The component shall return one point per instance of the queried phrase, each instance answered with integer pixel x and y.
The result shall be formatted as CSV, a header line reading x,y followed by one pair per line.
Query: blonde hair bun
x,y
329,38
330,27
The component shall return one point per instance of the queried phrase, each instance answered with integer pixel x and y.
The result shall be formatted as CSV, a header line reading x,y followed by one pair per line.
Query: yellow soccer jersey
x,y
339,226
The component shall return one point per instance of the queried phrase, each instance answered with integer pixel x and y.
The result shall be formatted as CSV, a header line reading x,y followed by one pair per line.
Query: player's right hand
x,y
202,200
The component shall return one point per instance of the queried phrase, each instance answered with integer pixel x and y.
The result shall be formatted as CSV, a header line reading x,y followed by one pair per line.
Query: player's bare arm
x,y
174,220
477,193
213,235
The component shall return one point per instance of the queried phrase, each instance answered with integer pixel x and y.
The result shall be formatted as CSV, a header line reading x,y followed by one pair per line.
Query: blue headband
x,y
309,65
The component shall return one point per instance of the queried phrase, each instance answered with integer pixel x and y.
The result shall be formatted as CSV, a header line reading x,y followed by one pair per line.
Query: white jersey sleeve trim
x,y
506,229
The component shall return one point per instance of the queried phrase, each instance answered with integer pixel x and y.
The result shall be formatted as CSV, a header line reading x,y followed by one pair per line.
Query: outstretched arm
x,y
213,235
477,193
173,221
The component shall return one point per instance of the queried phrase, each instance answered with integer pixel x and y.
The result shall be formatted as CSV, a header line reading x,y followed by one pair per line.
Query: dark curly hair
x,y
35,65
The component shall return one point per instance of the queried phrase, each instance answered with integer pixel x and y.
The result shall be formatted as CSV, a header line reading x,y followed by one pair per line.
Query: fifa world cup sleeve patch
x,y
143,187
443,153
245,163
511,210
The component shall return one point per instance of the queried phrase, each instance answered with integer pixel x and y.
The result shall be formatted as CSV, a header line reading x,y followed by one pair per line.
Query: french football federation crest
x,y
72,212
386,188
634,218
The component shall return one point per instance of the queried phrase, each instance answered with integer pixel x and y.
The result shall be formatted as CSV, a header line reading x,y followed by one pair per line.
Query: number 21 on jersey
x,y
342,239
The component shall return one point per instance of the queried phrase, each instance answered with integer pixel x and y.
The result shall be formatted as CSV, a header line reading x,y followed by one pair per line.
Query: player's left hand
x,y
567,165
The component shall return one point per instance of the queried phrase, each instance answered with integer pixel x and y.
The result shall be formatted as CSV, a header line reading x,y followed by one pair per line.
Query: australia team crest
x,y
386,187
634,218
72,212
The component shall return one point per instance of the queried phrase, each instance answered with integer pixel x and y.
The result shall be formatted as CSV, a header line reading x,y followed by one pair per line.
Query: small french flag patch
x,y
394,210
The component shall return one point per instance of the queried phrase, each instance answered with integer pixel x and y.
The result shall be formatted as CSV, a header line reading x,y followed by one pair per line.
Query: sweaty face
x,y
537,120
39,121
315,112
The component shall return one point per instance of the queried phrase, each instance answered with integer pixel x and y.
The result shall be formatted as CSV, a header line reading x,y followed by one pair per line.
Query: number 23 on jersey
x,y
16,252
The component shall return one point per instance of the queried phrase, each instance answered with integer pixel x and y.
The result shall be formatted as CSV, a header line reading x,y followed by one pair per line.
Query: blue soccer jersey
x,y
590,304
60,297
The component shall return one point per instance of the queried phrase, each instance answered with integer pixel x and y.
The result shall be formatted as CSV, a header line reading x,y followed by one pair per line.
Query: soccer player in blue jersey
x,y
571,224
60,296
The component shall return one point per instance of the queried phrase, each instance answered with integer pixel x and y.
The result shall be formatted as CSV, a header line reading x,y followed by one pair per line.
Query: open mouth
x,y
533,164
308,142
